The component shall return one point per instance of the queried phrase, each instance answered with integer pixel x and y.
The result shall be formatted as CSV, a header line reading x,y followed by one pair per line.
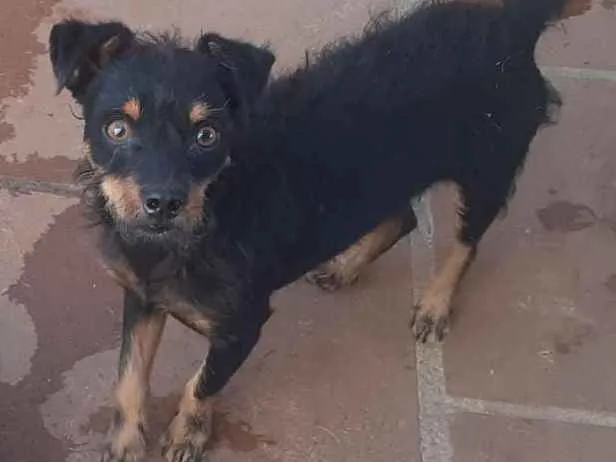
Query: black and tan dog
x,y
212,191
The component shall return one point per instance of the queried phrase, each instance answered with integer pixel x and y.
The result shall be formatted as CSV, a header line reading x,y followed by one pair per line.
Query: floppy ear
x,y
244,68
79,50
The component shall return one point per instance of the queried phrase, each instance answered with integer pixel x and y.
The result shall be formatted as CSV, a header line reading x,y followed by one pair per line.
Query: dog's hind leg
x,y
142,329
479,204
345,268
190,430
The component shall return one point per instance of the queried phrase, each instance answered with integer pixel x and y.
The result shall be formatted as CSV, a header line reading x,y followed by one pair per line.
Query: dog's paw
x,y
127,443
430,322
330,279
186,438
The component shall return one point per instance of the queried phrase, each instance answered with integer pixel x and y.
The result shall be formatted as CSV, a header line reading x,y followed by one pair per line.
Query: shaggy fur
x,y
212,191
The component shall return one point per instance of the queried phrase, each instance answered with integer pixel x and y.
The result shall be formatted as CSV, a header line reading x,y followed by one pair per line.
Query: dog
x,y
213,187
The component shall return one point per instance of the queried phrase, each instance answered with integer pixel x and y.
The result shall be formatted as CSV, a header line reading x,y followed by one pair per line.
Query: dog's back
x,y
369,123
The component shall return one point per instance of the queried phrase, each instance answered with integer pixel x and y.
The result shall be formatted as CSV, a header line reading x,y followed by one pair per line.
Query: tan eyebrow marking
x,y
132,108
199,112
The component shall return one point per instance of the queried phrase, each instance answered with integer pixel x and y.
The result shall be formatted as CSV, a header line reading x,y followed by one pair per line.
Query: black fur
x,y
320,158
450,92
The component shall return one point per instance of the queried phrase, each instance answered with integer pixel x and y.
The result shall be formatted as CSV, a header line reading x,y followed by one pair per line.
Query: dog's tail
x,y
529,18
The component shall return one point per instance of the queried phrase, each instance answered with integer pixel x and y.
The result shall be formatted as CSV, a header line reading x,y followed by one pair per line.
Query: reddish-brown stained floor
x,y
527,371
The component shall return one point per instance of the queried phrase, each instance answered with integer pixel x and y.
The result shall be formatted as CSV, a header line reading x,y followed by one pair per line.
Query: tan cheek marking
x,y
87,153
193,212
198,112
87,150
132,108
123,195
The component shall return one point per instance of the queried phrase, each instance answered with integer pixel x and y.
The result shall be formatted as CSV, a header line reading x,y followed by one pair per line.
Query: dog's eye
x,y
117,130
207,137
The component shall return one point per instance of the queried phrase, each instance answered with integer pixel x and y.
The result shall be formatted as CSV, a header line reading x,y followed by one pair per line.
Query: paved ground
x,y
526,375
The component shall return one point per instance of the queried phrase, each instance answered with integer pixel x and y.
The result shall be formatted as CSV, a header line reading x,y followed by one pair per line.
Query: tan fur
x,y
133,388
198,112
186,312
192,318
123,196
437,299
193,211
87,151
131,394
107,50
192,426
344,268
189,404
132,108
431,315
124,276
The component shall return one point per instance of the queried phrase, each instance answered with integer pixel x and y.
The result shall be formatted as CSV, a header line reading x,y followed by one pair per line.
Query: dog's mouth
x,y
158,228
169,232
146,230
177,231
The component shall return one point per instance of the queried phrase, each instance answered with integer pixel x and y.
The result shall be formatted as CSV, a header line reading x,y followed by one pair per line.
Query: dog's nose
x,y
165,206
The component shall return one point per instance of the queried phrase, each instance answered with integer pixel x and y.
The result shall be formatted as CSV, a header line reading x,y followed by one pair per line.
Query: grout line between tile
x,y
434,437
26,186
579,73
546,413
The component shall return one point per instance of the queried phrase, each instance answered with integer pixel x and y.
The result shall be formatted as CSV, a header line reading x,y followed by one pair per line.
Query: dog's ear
x,y
79,50
244,68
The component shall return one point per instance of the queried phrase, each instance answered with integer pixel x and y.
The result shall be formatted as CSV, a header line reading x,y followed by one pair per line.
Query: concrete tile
x,y
536,322
586,39
489,439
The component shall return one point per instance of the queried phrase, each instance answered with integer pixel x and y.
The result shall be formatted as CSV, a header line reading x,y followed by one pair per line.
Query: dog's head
x,y
159,117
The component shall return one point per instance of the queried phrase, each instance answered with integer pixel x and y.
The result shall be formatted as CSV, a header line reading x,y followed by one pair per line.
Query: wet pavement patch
x,y
610,283
70,300
18,49
608,4
18,44
577,8
236,434
572,335
566,216
57,169
7,131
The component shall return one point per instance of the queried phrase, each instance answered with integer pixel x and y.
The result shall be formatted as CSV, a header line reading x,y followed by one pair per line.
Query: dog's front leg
x,y
187,436
142,329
